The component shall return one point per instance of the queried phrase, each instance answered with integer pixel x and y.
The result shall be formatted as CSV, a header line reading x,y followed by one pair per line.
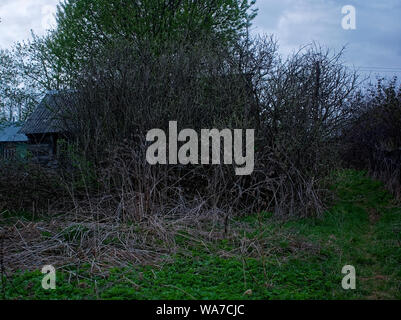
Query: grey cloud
x,y
376,42
19,17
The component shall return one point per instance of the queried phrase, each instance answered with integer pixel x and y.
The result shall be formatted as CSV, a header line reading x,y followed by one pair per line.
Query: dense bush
x,y
372,140
30,188
297,107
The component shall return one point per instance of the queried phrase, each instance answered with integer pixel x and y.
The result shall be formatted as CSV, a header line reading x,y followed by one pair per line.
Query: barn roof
x,y
9,133
47,117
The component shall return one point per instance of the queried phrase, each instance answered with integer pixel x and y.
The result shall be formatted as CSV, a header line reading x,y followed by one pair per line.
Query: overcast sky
x,y
375,44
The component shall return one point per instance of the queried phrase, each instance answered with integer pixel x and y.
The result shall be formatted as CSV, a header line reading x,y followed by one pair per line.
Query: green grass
x,y
299,259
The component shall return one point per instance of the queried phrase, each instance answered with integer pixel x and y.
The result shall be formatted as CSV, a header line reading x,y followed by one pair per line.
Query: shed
x,y
45,125
12,143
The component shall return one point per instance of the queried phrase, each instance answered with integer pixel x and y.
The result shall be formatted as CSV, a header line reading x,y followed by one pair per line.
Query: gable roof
x,y
46,118
9,133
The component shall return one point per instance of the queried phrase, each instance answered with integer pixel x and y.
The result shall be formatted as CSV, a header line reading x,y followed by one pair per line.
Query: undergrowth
x,y
259,258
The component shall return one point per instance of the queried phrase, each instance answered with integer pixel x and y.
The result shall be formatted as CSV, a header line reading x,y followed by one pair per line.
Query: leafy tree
x,y
85,25
38,65
17,96
25,75
7,82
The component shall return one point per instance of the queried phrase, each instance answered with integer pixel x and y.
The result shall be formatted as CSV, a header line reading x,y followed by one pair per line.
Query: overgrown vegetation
x,y
128,90
25,186
117,227
372,138
260,257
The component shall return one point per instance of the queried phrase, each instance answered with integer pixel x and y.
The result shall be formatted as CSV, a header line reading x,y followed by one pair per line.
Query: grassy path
x,y
262,258
375,249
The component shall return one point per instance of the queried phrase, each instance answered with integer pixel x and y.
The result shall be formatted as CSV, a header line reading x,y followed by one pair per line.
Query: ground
x,y
260,257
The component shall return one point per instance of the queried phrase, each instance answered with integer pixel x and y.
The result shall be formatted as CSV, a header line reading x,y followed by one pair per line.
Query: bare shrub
x,y
372,139
296,106
305,108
